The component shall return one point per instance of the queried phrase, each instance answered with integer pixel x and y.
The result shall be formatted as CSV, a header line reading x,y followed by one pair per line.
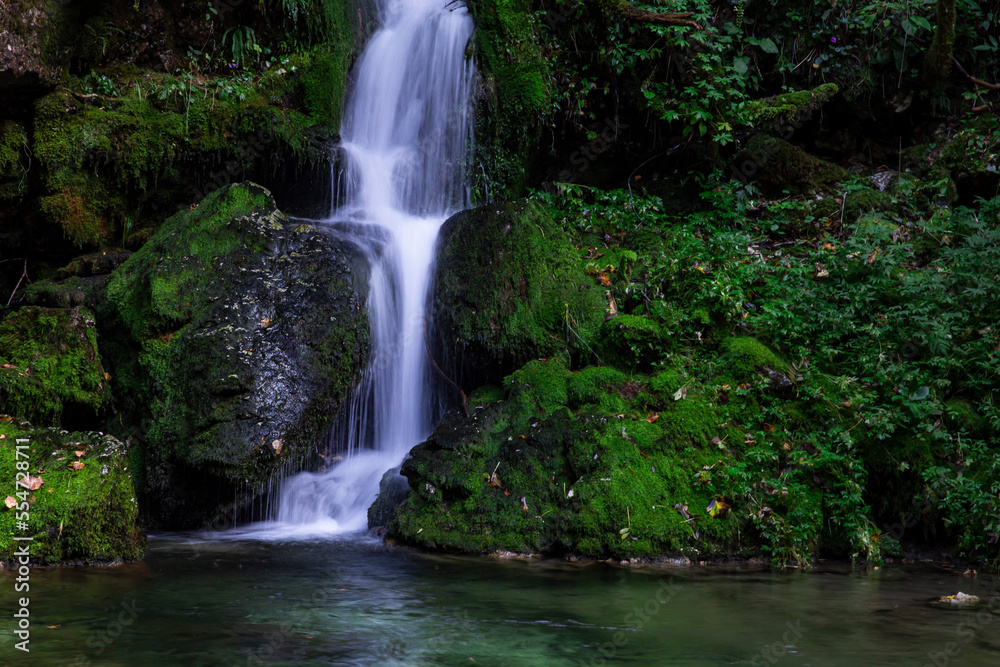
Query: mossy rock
x,y
632,341
51,367
570,475
510,288
231,330
789,106
514,93
749,358
777,167
969,161
85,509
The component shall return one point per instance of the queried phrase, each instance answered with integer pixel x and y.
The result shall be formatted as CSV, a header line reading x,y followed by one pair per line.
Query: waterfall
x,y
405,136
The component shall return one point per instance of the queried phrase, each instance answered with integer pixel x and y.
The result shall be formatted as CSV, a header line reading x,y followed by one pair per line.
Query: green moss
x,y
516,88
324,83
747,357
159,289
632,341
789,106
486,395
55,363
510,288
537,390
86,513
13,144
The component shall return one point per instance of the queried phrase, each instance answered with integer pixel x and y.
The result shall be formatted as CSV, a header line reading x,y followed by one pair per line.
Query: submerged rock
x,y
78,496
232,328
392,491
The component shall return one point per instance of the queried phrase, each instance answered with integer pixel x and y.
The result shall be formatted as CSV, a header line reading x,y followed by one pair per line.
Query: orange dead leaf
x,y
871,257
10,502
31,483
494,480
77,465
652,417
79,452
604,279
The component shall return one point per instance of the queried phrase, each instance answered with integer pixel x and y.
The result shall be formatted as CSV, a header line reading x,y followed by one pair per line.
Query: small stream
x,y
199,601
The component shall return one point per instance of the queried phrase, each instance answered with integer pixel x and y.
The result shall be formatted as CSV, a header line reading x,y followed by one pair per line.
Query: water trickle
x,y
406,137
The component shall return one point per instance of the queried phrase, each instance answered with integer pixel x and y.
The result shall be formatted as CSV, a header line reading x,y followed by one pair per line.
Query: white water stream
x,y
405,135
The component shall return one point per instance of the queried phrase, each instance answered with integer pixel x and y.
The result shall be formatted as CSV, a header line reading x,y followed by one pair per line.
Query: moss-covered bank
x,y
75,494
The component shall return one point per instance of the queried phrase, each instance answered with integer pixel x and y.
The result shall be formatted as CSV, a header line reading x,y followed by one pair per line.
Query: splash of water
x,y
406,137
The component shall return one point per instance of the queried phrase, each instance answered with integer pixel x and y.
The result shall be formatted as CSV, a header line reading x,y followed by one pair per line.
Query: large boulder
x,y
509,288
235,335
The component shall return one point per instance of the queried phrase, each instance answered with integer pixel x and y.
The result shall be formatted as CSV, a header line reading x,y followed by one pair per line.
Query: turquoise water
x,y
225,602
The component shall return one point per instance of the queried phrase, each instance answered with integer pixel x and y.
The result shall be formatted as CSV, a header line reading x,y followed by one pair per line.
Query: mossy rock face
x,y
555,470
32,52
235,335
51,365
509,288
85,509
777,166
513,99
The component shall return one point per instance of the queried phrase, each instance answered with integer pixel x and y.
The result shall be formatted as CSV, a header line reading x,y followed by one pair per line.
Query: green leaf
x,y
921,21
768,45
920,394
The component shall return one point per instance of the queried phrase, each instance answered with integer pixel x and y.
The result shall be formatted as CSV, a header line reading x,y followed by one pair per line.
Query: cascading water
x,y
405,135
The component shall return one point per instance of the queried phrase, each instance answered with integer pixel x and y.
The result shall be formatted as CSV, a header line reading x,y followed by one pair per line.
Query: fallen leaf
x,y
53,627
681,393
10,502
77,465
265,323
494,480
506,492
717,507
604,279
79,452
276,445
872,256
31,483
652,417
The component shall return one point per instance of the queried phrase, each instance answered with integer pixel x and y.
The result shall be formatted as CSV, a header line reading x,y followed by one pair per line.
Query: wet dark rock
x,y
235,335
392,491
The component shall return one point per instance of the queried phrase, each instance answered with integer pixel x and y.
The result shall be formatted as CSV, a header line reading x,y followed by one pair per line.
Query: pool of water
x,y
212,601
